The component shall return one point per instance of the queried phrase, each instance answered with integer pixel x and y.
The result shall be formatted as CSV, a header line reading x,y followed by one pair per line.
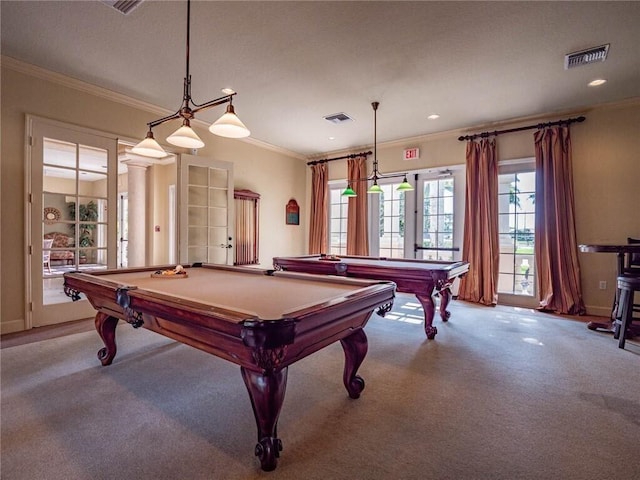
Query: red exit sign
x,y
411,153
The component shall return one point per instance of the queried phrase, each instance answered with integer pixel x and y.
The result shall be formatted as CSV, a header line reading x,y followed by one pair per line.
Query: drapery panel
x,y
556,248
318,224
481,247
357,218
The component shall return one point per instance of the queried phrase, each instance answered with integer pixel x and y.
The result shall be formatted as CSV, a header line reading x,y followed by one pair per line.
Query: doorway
x,y
71,172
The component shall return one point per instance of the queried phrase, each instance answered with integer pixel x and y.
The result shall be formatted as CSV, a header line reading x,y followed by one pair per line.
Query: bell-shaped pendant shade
x,y
375,188
349,192
229,125
149,147
405,186
185,137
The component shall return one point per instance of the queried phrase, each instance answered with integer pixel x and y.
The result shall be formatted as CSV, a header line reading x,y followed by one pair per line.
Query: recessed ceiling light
x,y
332,138
228,91
597,82
433,116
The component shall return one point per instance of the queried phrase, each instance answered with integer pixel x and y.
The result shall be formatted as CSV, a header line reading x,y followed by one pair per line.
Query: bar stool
x,y
627,285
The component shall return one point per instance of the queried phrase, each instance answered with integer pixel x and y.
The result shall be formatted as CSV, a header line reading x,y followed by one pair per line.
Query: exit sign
x,y
411,153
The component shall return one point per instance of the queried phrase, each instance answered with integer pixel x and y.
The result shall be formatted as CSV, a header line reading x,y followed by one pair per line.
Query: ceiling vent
x,y
123,6
338,118
583,57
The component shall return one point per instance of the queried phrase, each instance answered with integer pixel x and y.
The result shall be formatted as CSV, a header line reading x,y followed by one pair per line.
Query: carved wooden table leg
x,y
355,348
429,307
267,394
106,327
445,297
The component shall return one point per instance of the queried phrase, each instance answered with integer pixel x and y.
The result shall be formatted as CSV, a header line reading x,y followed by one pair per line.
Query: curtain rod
x,y
519,129
353,155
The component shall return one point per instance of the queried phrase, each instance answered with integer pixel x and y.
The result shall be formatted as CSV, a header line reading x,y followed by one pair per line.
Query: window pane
x,y
198,176
438,218
92,159
516,224
338,209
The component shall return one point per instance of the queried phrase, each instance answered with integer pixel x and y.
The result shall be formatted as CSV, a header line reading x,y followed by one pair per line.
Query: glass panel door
x,y
70,212
436,240
516,220
206,216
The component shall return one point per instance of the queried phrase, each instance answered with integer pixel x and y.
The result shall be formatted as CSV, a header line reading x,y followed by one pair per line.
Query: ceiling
x,y
476,64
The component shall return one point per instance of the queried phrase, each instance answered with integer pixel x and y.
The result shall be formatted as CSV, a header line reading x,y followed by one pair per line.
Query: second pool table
x,y
263,321
424,278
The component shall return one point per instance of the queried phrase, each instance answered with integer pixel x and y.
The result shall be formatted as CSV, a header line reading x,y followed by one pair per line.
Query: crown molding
x,y
73,83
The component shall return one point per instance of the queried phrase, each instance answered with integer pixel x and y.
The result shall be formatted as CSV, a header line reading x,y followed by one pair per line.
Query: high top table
x,y
621,251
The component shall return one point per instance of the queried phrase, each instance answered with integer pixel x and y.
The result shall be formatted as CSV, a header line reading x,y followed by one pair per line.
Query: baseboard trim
x,y
598,311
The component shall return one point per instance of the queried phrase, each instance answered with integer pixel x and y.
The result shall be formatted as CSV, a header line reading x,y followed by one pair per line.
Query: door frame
x,y
184,161
33,246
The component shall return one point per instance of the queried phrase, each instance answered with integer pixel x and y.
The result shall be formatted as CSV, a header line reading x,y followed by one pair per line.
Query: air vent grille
x,y
338,118
123,6
584,57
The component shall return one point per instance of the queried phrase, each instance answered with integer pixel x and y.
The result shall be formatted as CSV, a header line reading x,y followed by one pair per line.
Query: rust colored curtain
x,y
318,228
556,248
480,245
357,220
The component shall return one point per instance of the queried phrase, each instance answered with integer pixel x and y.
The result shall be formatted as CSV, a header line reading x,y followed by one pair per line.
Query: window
x,y
338,206
516,213
246,227
392,222
437,221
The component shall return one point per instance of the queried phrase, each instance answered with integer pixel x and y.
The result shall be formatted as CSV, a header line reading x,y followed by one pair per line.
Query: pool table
x,y
259,319
424,278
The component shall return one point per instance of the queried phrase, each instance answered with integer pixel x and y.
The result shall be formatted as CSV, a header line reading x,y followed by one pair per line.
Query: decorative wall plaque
x,y
292,213
51,215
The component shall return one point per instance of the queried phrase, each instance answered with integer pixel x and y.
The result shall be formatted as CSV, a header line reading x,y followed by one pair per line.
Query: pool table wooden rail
x,y
264,348
423,278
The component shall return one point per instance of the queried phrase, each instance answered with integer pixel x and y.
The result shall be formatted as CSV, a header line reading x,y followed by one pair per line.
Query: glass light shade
x,y
404,186
229,125
149,148
349,192
375,188
185,137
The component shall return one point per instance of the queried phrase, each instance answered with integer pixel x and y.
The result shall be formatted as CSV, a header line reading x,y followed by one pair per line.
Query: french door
x,y
424,224
206,215
71,189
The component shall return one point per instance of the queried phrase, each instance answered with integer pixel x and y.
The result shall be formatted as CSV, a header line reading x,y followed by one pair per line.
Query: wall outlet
x,y
603,284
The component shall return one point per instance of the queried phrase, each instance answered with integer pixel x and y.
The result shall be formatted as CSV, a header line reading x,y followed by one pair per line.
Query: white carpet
x,y
502,393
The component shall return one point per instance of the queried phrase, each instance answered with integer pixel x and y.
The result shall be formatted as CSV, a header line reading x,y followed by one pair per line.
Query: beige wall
x,y
605,160
276,176
606,171
160,178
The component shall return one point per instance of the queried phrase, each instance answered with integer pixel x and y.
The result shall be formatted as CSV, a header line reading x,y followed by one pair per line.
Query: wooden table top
x,y
610,248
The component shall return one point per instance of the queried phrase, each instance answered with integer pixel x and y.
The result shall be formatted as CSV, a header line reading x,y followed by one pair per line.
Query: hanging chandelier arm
x,y
160,121
212,103
180,113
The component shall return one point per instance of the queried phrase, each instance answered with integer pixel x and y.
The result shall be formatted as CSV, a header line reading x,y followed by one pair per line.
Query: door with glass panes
x,y
71,207
206,211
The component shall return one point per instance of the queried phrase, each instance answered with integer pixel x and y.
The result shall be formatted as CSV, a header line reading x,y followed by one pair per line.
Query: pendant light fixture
x,y
349,192
405,186
229,125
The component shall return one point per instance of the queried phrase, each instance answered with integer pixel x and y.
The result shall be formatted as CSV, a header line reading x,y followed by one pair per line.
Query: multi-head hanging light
x,y
405,186
229,125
